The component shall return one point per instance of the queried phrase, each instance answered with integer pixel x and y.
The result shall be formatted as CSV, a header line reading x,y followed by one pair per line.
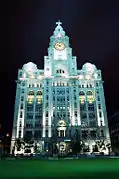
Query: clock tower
x,y
60,54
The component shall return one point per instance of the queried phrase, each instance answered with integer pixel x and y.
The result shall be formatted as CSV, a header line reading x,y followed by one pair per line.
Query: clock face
x,y
59,46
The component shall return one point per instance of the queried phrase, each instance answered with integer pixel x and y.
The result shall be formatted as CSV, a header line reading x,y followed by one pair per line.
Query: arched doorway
x,y
61,133
61,128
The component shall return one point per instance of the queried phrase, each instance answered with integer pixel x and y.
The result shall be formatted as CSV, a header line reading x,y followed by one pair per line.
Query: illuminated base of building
x,y
60,146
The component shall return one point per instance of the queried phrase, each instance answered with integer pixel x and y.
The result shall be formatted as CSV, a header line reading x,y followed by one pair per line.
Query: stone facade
x,y
60,103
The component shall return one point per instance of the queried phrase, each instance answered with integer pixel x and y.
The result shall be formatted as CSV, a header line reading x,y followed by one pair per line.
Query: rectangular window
x,y
83,107
19,134
93,134
97,91
46,133
37,116
20,74
29,107
46,114
102,133
46,97
22,98
100,114
91,115
29,134
21,114
84,116
22,91
46,122
98,98
91,107
99,106
84,134
75,105
37,134
47,90
29,116
21,106
92,123
75,113
47,82
46,105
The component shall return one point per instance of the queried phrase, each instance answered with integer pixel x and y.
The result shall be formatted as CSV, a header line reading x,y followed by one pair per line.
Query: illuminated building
x,y
60,103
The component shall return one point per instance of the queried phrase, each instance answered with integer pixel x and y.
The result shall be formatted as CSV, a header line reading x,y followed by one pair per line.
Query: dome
x,y
88,67
29,67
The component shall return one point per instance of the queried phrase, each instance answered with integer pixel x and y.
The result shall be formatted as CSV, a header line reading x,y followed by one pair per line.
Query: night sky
x,y
25,29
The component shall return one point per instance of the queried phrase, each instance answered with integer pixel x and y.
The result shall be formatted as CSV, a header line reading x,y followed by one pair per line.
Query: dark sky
x,y
25,29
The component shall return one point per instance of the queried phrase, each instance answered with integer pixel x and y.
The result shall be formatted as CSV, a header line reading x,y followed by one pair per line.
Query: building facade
x,y
60,104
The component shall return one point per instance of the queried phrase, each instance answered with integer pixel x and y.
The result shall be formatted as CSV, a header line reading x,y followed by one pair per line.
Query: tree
x,y
77,147
95,149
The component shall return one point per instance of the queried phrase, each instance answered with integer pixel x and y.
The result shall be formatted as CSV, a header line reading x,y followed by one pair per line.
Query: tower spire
x,y
58,23
58,32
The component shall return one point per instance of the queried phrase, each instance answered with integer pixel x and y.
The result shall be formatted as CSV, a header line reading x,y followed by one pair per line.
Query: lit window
x,y
89,93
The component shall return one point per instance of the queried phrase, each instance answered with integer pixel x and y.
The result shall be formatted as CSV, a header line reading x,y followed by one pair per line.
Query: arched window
x,y
82,97
89,93
90,96
60,71
81,93
38,93
31,93
30,97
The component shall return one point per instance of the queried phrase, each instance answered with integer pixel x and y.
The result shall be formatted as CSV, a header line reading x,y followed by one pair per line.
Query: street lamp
x,y
7,135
